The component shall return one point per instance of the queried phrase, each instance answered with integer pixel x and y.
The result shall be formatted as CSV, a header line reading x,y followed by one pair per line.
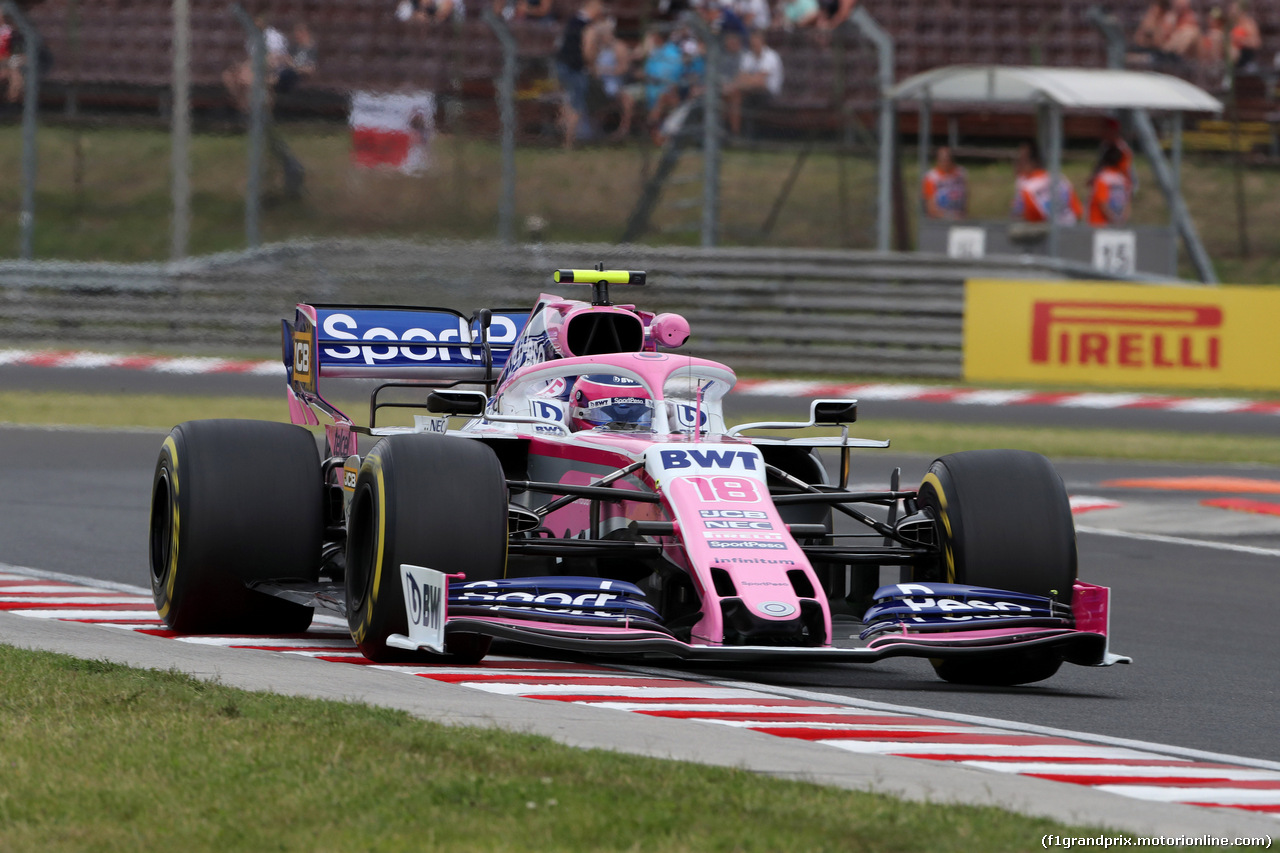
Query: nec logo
x,y
737,525
1120,334
726,459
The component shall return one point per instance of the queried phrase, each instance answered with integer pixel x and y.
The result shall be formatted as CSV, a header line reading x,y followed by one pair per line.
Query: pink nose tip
x,y
670,330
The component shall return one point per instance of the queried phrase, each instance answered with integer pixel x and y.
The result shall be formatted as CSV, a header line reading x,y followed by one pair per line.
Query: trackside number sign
x,y
1122,334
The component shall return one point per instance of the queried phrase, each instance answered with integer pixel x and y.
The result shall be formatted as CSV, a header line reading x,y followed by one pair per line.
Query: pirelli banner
x,y
1122,334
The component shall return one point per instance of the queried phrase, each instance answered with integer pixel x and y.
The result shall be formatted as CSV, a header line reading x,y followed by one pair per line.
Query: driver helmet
x,y
604,400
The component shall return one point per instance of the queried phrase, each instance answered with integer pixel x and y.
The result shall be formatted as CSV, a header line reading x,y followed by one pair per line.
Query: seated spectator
x,y
663,70
239,78
946,188
1153,29
797,15
10,63
427,11
754,14
574,60
1183,40
612,68
833,13
1246,40
1112,138
1213,44
1109,191
759,80
525,10
720,16
302,60
1031,191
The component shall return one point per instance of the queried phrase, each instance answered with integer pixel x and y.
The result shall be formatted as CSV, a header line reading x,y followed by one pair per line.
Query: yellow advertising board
x,y
1084,333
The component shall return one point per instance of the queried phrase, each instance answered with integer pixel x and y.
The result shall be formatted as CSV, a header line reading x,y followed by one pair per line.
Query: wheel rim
x,y
161,534
360,550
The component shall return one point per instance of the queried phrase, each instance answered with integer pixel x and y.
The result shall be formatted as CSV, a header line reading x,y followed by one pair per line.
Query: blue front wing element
x,y
571,600
928,607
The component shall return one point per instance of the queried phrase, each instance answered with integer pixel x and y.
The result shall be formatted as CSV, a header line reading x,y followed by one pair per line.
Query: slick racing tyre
x,y
234,502
433,501
1003,521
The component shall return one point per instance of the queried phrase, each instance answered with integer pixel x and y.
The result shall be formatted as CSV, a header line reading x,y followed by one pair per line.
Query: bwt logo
x,y
424,605
728,459
1115,334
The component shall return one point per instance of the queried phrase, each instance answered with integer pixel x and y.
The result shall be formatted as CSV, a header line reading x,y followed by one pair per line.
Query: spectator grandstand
x,y
123,57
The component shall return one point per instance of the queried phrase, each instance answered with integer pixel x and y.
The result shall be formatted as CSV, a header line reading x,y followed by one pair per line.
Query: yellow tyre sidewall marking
x,y
374,461
932,480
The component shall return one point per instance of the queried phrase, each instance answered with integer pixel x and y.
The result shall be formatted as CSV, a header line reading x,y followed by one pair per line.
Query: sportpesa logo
x,y
407,337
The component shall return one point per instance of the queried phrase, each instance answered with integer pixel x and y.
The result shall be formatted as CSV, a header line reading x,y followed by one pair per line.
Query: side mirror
x,y
457,402
834,411
669,330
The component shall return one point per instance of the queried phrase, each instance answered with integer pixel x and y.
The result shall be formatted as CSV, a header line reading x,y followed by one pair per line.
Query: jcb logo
x,y
349,479
302,357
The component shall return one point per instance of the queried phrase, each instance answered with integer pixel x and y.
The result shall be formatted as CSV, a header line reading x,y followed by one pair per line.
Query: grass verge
x,y
101,757
158,411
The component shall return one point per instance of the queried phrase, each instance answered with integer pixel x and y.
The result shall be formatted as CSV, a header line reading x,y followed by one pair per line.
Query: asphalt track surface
x,y
125,381
1200,622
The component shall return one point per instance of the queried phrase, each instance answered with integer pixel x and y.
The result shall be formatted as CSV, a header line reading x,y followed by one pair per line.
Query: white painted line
x,y
896,392
1156,750
87,614
692,690
851,725
1236,774
119,598
1178,540
9,356
37,588
308,642
90,360
785,388
1101,401
990,398
711,709
189,365
909,748
1222,796
22,572
1208,405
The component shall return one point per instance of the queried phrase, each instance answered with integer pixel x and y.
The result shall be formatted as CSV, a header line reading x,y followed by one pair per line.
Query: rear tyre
x,y
1004,521
234,502
433,501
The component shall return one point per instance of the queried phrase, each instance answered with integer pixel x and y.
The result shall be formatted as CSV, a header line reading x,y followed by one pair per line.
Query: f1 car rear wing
x,y
437,345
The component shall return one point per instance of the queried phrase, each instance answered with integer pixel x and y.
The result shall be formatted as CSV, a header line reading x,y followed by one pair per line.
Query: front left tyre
x,y
234,502
424,500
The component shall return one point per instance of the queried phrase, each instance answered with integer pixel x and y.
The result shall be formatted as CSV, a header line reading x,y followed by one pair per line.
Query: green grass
x,y
103,194
96,756
157,411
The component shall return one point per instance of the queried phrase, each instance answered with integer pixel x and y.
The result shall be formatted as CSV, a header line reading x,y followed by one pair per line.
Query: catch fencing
x,y
821,313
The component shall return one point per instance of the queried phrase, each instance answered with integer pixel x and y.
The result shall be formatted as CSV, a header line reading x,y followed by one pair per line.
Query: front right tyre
x,y
1004,521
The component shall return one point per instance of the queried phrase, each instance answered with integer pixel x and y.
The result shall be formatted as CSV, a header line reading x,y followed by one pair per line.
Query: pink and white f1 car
x,y
592,498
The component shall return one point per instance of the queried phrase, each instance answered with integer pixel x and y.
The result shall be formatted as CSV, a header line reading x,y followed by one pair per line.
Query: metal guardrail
x,y
838,313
